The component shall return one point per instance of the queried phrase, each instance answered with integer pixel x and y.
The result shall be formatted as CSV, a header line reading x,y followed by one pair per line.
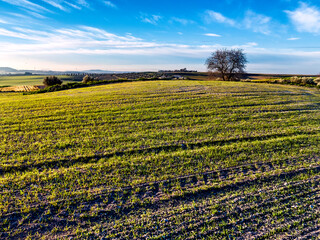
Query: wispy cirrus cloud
x,y
212,16
81,39
212,35
83,3
110,4
73,5
14,34
153,19
181,21
3,21
305,18
92,41
81,43
293,39
257,22
253,21
25,4
55,4
36,15
31,19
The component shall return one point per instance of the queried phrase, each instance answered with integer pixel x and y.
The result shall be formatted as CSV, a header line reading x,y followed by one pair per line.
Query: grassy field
x,y
161,160
27,80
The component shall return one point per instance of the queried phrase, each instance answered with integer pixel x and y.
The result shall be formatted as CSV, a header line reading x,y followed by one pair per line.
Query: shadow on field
x,y
92,159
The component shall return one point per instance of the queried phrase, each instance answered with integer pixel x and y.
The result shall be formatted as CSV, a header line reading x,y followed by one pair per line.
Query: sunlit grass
x,y
94,151
28,80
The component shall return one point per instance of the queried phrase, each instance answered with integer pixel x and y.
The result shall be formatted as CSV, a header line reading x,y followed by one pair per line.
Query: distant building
x,y
181,70
179,77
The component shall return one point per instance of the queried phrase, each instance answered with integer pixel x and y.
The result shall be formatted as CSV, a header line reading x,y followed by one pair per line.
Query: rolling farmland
x,y
161,160
27,80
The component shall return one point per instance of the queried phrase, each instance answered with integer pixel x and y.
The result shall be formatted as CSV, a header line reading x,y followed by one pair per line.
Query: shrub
x,y
307,80
54,88
51,81
87,79
316,80
295,79
286,80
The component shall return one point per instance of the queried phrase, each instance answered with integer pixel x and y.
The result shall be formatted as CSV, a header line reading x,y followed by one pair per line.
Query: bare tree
x,y
227,64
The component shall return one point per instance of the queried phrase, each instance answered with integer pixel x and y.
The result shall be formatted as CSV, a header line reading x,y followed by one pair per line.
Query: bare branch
x,y
227,64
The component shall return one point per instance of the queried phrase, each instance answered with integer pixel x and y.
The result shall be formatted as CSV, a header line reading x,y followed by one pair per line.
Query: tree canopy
x,y
51,81
227,64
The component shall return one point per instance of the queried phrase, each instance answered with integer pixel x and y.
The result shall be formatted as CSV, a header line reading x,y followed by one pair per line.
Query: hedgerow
x,y
87,84
75,85
298,81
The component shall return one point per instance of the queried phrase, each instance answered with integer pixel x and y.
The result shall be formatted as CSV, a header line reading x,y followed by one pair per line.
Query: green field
x,y
161,160
28,80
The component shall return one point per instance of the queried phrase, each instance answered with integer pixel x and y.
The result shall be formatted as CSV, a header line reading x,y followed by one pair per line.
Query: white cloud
x,y
3,21
8,33
251,44
212,35
37,15
257,22
212,16
154,19
16,19
293,39
79,47
85,40
181,21
72,5
305,18
252,21
27,5
83,3
110,4
55,4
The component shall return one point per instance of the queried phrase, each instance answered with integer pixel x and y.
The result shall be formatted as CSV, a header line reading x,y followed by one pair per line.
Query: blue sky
x,y
141,35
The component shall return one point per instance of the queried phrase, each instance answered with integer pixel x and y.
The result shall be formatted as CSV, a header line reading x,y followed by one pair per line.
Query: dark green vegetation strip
x,y
161,160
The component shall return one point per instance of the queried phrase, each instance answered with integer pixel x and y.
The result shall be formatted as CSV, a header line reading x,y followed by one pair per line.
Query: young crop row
x,y
291,186
98,160
240,215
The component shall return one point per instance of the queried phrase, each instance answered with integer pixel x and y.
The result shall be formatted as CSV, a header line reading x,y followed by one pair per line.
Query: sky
x,y
150,35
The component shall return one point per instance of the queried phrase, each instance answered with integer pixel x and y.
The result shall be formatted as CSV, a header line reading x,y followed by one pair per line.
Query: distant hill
x,y
99,71
7,70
